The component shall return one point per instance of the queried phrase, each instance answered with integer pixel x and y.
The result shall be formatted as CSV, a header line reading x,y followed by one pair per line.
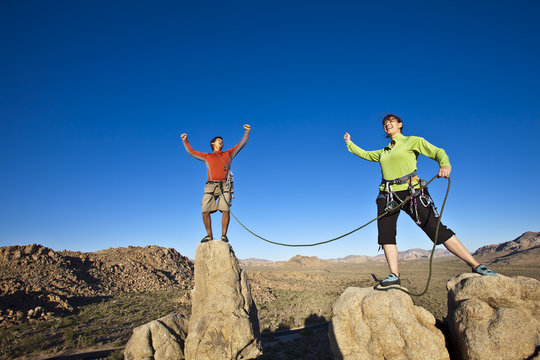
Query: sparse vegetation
x,y
99,323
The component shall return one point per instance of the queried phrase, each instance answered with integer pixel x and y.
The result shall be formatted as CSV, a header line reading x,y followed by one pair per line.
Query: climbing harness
x,y
228,175
423,184
415,196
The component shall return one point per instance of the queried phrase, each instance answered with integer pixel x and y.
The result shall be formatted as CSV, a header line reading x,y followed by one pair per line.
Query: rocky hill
x,y
37,282
525,249
305,261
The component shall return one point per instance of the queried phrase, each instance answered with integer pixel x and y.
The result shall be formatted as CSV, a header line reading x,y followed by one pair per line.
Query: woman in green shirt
x,y
398,166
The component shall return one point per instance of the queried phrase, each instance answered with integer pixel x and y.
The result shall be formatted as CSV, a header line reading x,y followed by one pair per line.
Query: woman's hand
x,y
184,136
347,137
247,127
444,171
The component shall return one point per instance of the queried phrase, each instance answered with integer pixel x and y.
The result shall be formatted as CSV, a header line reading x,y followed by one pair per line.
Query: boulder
x,y
372,324
223,323
494,318
161,339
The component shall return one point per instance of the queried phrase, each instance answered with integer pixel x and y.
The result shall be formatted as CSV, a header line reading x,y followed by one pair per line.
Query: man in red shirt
x,y
218,168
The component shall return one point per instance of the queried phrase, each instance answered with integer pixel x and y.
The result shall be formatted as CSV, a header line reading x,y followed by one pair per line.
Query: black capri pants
x,y
387,224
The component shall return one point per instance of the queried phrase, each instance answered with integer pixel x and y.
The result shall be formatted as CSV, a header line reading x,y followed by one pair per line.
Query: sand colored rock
x,y
223,323
161,339
494,318
371,324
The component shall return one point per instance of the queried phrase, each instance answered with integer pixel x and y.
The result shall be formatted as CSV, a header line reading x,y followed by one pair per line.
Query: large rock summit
x,y
371,324
223,322
494,318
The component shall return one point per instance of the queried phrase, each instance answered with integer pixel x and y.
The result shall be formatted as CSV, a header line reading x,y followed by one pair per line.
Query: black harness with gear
x,y
421,194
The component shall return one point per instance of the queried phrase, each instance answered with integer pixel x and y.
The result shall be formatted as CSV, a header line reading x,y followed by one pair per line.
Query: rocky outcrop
x,y
37,282
371,324
223,322
494,318
161,339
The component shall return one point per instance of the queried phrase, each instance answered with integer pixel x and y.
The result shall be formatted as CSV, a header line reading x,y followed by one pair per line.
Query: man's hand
x,y
444,172
347,137
184,136
247,127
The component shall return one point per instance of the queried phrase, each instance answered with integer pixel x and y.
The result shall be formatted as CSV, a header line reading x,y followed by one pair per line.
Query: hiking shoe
x,y
390,280
484,271
224,238
206,238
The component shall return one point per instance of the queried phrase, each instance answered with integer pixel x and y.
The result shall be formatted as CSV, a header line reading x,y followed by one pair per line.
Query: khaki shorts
x,y
212,199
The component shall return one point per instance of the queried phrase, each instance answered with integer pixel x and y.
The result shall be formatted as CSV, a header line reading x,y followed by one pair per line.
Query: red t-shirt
x,y
219,162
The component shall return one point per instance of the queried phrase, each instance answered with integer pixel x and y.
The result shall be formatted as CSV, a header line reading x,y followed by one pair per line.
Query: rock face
x,y
223,323
371,324
161,339
494,318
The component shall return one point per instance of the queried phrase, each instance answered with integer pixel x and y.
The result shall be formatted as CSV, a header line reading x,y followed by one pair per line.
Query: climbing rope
x,y
422,186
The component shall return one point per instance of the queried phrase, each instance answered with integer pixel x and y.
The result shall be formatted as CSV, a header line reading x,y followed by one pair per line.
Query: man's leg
x,y
207,223
226,218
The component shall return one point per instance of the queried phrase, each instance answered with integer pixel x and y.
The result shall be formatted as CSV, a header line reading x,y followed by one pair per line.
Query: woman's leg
x,y
391,254
387,234
457,248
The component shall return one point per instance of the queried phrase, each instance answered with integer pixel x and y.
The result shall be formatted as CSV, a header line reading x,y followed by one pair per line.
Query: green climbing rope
x,y
358,228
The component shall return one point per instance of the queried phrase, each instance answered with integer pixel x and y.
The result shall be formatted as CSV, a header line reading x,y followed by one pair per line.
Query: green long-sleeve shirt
x,y
400,160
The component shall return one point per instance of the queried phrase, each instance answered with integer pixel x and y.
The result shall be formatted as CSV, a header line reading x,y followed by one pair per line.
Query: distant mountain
x,y
305,261
525,249
255,262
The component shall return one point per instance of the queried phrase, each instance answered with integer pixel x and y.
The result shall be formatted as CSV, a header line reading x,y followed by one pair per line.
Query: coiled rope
x,y
397,208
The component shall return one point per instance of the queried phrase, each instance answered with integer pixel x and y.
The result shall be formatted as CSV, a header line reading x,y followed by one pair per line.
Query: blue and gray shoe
x,y
484,271
390,280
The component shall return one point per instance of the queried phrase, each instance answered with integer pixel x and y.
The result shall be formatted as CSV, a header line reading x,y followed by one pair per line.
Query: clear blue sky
x,y
95,94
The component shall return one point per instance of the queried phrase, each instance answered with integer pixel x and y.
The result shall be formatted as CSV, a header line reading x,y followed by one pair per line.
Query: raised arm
x,y
366,155
233,151
196,154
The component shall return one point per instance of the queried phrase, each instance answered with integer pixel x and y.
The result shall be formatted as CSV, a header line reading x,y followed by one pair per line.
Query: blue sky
x,y
95,94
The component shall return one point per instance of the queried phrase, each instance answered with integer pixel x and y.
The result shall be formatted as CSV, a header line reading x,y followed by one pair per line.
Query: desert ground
x,y
286,298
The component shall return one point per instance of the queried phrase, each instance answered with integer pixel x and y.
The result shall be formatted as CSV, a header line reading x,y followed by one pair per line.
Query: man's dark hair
x,y
213,141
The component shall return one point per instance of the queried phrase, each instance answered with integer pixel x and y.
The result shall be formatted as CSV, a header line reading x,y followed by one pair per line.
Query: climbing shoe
x,y
390,280
206,238
483,270
224,238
